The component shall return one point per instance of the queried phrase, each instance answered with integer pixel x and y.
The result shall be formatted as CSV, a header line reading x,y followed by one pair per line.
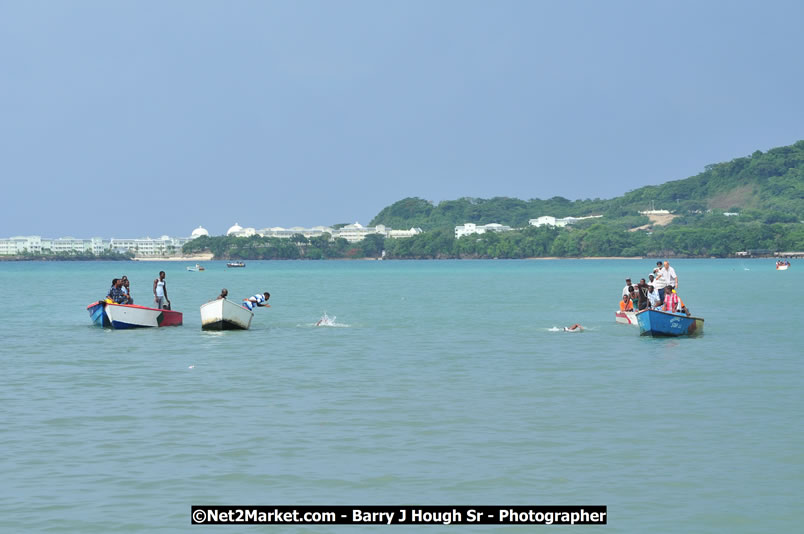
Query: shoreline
x,y
196,257
589,258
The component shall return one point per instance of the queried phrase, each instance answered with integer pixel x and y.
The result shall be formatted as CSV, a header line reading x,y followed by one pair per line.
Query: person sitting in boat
x,y
653,297
626,304
670,300
224,294
126,289
116,294
634,296
258,300
682,308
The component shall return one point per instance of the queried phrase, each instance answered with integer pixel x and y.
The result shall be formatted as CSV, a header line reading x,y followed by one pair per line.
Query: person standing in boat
x,y
660,282
642,297
160,292
653,298
627,289
258,300
670,275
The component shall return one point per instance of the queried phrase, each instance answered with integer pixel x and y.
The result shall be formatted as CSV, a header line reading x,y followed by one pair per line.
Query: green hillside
x,y
751,203
767,186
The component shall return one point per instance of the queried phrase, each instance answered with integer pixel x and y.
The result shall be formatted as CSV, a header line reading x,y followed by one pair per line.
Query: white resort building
x,y
472,228
351,232
142,246
548,220
166,245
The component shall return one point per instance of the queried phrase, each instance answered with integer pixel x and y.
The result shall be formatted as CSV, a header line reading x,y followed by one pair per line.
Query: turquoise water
x,y
439,383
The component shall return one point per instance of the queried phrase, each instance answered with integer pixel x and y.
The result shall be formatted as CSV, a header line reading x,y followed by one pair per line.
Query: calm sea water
x,y
439,383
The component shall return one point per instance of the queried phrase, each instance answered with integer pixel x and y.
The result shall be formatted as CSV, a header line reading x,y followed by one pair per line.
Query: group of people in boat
x,y
782,263
658,292
120,293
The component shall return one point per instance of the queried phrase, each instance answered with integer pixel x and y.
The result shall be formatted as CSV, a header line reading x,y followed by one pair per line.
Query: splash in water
x,y
326,320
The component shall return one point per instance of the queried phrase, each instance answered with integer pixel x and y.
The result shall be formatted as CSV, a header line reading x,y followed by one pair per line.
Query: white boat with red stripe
x,y
123,316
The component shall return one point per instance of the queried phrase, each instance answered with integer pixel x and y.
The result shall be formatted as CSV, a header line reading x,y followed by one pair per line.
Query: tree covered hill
x,y
768,186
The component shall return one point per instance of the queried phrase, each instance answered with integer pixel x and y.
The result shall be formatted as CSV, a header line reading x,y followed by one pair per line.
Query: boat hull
x,y
125,316
782,267
626,317
662,324
98,314
223,314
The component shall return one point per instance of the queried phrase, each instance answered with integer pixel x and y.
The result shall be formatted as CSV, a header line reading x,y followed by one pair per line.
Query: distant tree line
x,y
702,235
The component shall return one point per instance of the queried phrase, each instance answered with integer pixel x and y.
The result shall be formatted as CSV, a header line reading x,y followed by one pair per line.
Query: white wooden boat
x,y
626,317
223,314
782,266
236,264
122,316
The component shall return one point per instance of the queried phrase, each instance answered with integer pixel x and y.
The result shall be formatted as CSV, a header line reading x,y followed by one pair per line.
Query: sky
x,y
133,119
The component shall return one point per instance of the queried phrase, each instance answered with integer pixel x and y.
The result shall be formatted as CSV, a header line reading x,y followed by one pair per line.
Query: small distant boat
x,y
122,316
196,268
782,265
235,264
223,314
660,323
626,317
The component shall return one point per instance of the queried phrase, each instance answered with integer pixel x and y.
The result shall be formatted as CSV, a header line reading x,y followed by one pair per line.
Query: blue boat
x,y
98,314
662,323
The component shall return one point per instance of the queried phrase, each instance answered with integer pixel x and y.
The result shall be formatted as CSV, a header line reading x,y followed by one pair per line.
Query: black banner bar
x,y
398,515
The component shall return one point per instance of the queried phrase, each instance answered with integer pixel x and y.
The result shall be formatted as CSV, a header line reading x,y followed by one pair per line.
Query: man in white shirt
x,y
659,281
670,275
653,297
628,284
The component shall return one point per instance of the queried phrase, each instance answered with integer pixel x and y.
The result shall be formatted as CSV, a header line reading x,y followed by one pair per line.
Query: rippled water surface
x,y
427,383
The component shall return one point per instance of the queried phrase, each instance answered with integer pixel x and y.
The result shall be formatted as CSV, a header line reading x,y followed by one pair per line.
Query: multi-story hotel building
x,y
166,245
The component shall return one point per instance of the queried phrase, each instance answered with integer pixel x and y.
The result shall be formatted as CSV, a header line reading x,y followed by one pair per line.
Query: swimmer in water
x,y
574,328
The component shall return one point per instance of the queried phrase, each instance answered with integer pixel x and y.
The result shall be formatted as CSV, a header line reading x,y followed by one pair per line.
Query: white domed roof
x,y
198,232
234,229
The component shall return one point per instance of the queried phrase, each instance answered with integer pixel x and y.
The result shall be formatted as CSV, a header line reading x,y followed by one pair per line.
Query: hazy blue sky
x,y
128,119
